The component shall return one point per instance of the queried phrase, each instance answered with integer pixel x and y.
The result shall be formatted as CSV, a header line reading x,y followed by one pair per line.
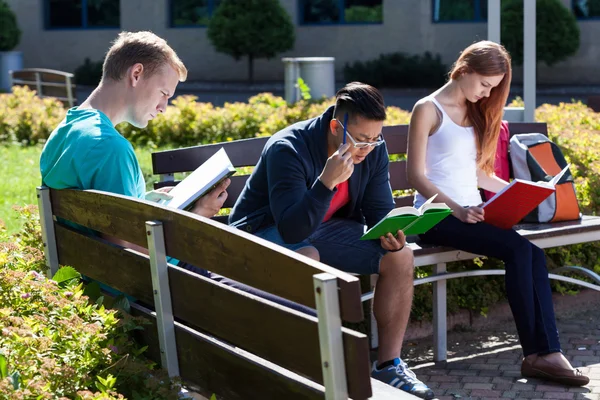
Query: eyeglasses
x,y
361,145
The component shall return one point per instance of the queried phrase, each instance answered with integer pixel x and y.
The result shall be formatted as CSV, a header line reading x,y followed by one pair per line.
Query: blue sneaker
x,y
399,376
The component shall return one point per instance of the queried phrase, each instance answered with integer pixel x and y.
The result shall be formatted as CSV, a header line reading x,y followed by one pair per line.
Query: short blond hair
x,y
144,47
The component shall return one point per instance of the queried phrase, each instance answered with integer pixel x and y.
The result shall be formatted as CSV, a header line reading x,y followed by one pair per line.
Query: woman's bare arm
x,y
490,182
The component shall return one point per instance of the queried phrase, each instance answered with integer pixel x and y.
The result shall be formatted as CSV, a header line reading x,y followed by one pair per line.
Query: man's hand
x,y
393,243
338,167
470,215
210,204
159,194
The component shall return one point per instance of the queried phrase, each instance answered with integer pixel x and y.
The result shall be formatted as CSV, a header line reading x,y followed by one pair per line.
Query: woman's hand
x,y
470,215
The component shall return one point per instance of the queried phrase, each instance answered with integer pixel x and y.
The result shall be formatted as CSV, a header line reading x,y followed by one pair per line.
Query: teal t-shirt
x,y
86,152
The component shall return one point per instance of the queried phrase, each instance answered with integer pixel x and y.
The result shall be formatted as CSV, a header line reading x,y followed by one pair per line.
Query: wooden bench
x,y
221,339
245,153
47,83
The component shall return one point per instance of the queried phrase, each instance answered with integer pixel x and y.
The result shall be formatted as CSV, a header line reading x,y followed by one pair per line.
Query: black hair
x,y
359,99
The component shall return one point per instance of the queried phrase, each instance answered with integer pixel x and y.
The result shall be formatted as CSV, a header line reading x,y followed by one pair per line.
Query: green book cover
x,y
409,220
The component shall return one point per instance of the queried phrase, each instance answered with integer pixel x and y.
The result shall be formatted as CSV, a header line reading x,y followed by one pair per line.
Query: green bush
x,y
557,31
26,118
399,70
89,73
10,34
189,123
54,342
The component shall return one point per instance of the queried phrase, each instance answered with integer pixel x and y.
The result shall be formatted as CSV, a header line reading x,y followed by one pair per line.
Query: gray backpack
x,y
534,157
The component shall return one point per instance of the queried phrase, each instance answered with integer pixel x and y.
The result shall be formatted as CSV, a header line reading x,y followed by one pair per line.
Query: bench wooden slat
x,y
202,242
404,201
398,179
395,137
226,370
287,338
242,153
527,127
47,75
254,324
102,261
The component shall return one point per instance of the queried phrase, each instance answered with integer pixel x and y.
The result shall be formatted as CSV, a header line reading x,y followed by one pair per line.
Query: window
x,y
185,13
586,9
323,12
82,14
459,10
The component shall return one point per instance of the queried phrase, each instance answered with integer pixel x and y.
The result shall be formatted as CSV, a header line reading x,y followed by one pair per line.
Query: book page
x,y
201,180
406,210
558,176
424,205
435,206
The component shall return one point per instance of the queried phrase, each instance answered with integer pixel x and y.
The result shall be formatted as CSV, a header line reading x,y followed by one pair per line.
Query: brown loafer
x,y
542,369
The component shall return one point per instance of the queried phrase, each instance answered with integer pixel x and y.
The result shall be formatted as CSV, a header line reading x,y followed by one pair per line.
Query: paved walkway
x,y
486,364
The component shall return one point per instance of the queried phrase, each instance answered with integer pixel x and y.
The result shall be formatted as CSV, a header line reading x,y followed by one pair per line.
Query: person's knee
x,y
399,263
310,252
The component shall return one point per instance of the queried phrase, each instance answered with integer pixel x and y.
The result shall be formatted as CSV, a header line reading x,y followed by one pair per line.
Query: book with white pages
x,y
410,220
510,205
201,181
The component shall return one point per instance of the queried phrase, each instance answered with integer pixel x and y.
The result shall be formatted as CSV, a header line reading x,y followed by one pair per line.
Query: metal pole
x,y
330,337
162,297
493,20
439,315
529,59
47,225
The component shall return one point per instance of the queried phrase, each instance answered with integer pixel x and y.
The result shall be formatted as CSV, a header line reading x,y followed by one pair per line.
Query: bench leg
x,y
439,315
47,225
162,297
330,337
374,332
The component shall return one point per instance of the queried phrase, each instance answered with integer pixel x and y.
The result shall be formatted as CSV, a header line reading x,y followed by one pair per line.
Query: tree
x,y
10,34
557,32
252,28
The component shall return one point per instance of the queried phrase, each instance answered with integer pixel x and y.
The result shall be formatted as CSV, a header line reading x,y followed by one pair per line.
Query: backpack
x,y
534,157
501,163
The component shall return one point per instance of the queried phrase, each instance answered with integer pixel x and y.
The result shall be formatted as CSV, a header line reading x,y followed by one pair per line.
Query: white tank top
x,y
451,161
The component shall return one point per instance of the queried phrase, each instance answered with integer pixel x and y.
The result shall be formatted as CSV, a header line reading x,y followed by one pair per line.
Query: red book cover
x,y
517,200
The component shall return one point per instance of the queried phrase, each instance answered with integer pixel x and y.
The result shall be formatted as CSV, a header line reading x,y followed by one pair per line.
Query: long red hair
x,y
488,59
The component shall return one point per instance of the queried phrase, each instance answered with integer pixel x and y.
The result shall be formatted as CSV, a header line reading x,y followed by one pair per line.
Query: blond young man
x,y
140,74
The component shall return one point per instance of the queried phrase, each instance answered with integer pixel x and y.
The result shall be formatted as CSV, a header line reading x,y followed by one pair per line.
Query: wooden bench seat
x,y
244,153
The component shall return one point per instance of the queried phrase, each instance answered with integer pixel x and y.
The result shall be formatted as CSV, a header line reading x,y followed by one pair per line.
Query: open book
x,y
410,220
204,178
519,198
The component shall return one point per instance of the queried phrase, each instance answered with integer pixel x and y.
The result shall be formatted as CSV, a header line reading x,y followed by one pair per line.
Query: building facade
x,y
60,34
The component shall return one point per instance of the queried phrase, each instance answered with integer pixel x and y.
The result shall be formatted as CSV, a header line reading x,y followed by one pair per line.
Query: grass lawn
x,y
20,175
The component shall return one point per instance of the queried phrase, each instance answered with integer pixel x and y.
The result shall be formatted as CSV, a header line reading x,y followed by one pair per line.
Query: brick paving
x,y
486,364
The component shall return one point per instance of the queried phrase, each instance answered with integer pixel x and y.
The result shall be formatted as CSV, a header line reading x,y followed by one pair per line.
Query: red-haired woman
x,y
451,151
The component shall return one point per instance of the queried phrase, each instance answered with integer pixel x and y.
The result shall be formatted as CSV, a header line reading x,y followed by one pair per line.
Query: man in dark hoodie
x,y
316,185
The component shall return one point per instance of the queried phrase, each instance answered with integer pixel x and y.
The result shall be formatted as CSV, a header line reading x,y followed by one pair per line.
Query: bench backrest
x,y
223,335
47,83
245,153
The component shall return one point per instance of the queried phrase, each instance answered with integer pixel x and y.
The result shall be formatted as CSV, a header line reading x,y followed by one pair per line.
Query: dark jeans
x,y
527,282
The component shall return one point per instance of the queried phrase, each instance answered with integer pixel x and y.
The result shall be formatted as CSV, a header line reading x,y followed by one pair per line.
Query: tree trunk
x,y
250,68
